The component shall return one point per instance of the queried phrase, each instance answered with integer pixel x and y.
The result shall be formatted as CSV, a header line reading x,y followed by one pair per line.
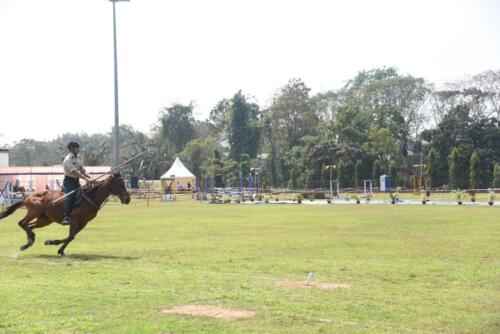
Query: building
x,y
40,178
4,157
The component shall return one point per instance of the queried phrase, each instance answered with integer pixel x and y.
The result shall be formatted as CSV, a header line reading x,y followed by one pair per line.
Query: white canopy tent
x,y
177,178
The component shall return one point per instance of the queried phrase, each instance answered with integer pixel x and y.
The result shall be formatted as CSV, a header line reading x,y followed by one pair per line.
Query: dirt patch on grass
x,y
209,311
301,284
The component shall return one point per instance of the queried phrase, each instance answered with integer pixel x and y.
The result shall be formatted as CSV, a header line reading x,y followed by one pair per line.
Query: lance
x,y
109,172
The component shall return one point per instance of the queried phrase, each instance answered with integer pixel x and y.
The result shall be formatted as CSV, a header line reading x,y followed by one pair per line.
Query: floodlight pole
x,y
117,122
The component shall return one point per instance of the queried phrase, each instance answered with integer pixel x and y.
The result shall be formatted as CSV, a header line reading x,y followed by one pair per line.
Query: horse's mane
x,y
98,184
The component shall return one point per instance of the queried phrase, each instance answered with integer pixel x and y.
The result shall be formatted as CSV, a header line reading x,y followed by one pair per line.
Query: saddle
x,y
81,195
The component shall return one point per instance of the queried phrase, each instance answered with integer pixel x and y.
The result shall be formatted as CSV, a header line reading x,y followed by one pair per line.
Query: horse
x,y
41,206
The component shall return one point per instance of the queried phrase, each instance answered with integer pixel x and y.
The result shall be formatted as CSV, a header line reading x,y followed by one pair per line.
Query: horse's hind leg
x,y
24,224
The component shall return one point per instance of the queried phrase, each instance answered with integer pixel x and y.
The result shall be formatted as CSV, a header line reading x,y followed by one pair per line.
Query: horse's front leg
x,y
75,227
58,241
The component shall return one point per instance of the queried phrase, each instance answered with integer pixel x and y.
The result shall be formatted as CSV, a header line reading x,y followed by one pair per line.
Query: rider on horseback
x,y
73,171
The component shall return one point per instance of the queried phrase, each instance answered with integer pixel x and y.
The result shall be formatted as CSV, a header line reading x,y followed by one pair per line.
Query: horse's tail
x,y
10,210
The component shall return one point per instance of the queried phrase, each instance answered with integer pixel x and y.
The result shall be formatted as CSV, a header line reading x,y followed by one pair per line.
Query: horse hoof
x,y
47,242
24,247
61,254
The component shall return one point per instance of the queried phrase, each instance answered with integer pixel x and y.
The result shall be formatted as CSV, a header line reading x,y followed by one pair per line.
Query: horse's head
x,y
118,187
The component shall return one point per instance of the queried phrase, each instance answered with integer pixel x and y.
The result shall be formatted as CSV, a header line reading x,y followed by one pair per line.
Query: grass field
x,y
412,269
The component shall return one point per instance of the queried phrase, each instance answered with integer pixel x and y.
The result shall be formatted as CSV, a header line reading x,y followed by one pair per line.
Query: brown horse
x,y
41,207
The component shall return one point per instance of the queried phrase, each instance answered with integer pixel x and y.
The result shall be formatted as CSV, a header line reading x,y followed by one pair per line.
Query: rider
x,y
73,171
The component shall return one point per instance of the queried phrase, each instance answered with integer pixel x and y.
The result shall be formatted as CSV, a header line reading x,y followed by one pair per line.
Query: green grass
x,y
412,269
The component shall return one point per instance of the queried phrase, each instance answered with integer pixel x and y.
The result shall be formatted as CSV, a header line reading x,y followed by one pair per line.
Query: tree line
x,y
379,122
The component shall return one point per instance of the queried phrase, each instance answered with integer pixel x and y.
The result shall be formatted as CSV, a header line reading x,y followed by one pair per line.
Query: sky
x,y
56,56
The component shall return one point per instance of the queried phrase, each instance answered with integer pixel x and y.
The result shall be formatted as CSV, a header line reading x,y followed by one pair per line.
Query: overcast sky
x,y
56,56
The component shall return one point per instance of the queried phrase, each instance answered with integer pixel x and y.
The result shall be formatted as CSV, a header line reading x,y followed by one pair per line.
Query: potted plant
x,y
472,194
460,195
368,197
424,198
328,199
393,197
492,196
277,199
299,198
266,199
357,198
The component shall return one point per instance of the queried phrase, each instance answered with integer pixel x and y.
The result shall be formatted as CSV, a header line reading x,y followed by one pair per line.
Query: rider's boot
x,y
66,221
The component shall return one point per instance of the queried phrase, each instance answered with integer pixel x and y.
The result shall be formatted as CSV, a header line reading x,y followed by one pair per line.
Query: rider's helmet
x,y
73,144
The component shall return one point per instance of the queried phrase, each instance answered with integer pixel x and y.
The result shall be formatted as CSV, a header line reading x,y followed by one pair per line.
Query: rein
x,y
96,189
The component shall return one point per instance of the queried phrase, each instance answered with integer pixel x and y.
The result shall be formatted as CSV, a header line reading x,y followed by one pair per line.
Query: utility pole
x,y
117,122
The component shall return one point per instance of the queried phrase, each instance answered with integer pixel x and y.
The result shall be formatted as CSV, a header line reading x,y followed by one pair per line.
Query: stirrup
x,y
66,221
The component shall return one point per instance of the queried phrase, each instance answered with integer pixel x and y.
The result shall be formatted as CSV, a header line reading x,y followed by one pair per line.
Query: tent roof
x,y
177,171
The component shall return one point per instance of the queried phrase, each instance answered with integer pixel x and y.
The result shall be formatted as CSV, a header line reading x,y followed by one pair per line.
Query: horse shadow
x,y
86,257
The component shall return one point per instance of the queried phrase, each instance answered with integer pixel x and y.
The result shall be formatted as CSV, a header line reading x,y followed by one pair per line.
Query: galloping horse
x,y
41,206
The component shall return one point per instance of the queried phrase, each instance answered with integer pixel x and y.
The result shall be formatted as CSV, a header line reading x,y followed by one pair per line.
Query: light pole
x,y
117,122
331,168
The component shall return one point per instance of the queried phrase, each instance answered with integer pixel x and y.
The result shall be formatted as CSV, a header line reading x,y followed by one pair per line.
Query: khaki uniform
x,y
71,182
71,163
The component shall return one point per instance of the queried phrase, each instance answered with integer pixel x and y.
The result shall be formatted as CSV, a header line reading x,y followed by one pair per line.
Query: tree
x,y
293,167
216,165
459,129
377,171
232,172
244,165
479,92
177,125
432,168
352,126
244,128
382,144
219,119
342,173
358,173
454,171
480,170
292,113
30,152
496,176
385,87
133,143
196,154
393,173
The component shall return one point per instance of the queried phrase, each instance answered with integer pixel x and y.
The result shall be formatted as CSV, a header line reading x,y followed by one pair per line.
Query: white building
x,y
4,157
